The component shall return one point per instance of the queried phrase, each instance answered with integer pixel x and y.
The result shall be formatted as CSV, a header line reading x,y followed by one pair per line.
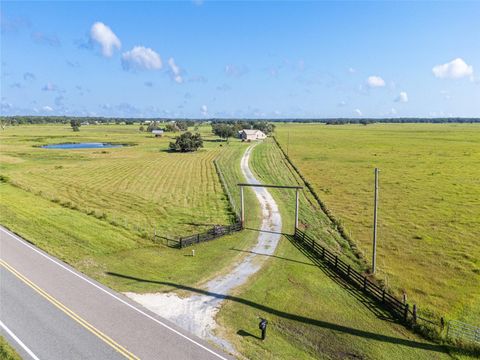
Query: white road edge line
x,y
112,295
20,342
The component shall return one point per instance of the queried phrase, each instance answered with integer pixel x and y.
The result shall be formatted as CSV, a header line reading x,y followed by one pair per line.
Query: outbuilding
x,y
157,133
251,134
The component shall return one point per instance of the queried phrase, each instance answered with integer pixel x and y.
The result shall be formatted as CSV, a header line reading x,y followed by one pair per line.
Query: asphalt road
x,y
48,310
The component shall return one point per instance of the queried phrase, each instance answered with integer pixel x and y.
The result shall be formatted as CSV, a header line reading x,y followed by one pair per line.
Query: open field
x,y
311,314
135,186
429,222
74,228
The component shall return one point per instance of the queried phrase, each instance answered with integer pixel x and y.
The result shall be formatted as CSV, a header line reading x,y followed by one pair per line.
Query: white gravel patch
x,y
197,312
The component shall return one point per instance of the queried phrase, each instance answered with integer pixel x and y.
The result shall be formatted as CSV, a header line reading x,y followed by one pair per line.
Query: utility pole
x,y
375,209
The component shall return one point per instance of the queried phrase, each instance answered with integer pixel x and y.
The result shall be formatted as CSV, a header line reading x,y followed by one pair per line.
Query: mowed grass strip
x,y
429,222
311,315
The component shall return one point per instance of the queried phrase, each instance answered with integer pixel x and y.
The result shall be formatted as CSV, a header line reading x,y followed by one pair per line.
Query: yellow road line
x,y
70,313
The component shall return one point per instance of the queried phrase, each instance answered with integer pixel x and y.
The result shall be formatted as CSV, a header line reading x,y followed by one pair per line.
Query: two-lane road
x,y
48,310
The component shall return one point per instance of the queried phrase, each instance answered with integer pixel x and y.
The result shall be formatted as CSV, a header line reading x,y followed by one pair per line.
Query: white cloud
x,y
351,70
454,69
141,57
402,97
47,108
393,111
175,71
204,110
358,112
104,36
375,81
236,70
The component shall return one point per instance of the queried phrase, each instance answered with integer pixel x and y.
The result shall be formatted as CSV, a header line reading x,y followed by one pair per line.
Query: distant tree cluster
x,y
187,142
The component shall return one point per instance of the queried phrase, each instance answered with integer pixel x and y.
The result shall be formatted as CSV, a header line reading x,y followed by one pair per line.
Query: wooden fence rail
x,y
390,302
213,233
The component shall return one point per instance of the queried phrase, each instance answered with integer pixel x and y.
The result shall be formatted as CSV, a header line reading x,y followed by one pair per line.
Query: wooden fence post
x,y
405,313
383,295
323,252
336,261
198,238
364,283
348,271
414,313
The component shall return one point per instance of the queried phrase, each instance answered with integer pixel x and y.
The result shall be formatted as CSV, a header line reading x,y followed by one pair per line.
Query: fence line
x,y
459,330
394,305
230,198
213,233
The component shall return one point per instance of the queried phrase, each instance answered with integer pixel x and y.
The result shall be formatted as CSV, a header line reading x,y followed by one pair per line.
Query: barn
x,y
251,134
157,133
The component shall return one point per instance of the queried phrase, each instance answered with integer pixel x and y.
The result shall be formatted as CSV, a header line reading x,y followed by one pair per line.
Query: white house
x,y
249,135
157,133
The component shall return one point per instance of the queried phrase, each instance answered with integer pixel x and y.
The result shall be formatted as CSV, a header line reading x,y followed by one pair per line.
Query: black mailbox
x,y
263,326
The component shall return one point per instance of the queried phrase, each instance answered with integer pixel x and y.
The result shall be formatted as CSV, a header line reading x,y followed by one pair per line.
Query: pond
x,y
82,146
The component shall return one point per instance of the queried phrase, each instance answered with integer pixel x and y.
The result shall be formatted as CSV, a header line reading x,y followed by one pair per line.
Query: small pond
x,y
82,146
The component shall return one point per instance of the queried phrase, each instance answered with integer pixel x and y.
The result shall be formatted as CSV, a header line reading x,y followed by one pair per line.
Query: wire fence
x,y
466,332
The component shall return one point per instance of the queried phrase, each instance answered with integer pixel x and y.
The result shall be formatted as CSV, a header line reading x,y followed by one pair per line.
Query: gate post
x,y
296,208
242,208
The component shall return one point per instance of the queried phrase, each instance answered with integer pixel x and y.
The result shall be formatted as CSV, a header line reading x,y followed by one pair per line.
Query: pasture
x,y
311,314
429,222
97,208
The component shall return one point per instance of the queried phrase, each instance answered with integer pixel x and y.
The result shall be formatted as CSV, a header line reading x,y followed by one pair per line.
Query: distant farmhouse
x,y
157,133
249,135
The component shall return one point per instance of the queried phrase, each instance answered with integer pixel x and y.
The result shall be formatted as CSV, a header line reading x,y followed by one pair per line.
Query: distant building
x,y
157,133
249,135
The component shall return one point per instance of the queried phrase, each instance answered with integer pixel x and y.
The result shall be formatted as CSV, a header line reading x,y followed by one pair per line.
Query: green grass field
x,y
311,314
429,222
62,202
142,186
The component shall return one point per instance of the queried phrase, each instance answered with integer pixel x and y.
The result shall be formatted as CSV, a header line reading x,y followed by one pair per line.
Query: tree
x,y
152,126
171,127
75,124
182,125
223,130
187,142
141,128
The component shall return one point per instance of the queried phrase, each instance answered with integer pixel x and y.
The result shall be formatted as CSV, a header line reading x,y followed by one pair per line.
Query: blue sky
x,y
241,59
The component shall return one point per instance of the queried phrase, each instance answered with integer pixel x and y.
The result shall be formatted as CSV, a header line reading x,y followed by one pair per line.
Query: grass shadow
x,y
371,304
299,318
247,334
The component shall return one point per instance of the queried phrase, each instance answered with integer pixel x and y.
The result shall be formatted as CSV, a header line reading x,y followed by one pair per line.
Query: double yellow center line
x,y
70,313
